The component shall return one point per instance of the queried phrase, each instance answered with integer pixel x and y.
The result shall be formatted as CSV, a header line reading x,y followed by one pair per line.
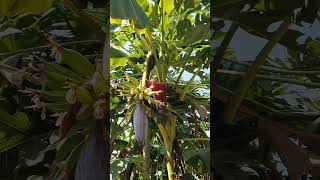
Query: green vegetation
x,y
159,43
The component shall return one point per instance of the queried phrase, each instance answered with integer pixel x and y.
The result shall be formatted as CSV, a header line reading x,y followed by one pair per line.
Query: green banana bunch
x,y
134,91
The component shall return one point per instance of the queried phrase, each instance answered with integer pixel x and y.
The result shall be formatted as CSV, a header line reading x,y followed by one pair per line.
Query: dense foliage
x,y
53,92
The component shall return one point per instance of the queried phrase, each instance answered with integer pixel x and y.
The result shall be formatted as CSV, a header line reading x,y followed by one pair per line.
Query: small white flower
x,y
36,101
60,117
43,112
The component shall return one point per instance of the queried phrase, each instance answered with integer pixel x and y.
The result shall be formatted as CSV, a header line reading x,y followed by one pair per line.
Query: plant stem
x,y
217,59
249,77
146,147
154,53
162,28
149,47
146,72
164,70
171,130
146,155
168,134
170,169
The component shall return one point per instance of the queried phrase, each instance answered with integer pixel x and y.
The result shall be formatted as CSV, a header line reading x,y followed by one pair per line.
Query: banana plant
x,y
69,94
73,90
171,38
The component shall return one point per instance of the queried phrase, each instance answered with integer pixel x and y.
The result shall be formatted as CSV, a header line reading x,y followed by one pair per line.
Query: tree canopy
x,y
267,107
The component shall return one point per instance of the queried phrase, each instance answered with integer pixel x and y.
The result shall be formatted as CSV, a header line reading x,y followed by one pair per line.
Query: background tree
x,y
262,122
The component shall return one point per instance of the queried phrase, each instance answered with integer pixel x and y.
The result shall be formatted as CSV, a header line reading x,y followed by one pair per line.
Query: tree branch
x,y
249,77
220,91
217,59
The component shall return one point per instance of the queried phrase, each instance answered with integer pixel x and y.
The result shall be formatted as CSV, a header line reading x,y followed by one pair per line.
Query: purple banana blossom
x,y
92,163
140,123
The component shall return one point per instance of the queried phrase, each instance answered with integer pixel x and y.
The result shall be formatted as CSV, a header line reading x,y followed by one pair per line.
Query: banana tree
x,y
151,42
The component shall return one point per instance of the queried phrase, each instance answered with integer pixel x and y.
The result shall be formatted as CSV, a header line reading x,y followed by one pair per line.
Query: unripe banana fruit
x,y
141,96
146,91
151,93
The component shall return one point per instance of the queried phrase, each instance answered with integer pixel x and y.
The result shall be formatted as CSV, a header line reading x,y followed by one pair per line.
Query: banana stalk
x,y
169,130
146,147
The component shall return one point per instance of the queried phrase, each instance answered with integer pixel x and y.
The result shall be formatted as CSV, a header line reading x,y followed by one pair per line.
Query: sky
x,y
247,46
